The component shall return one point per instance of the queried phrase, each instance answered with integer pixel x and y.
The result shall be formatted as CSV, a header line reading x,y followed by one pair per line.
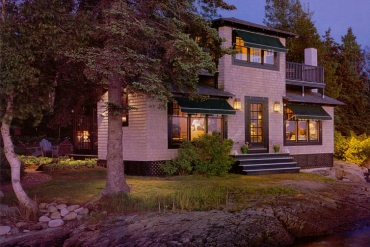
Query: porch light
x,y
277,106
237,104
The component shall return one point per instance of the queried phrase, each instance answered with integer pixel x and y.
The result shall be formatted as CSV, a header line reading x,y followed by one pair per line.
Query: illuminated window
x,y
254,55
300,131
183,126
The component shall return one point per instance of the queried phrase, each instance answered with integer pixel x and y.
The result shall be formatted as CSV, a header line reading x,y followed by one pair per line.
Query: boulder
x,y
4,230
55,223
70,216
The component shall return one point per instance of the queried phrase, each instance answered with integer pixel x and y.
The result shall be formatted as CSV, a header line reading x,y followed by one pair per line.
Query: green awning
x,y
309,112
209,106
261,41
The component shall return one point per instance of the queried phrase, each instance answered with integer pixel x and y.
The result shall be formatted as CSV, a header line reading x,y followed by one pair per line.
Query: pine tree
x,y
354,90
289,15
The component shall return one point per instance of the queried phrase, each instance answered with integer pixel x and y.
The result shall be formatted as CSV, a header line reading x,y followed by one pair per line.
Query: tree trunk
x,y
15,163
116,181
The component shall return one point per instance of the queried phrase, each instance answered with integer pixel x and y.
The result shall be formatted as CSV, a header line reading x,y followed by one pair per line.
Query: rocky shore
x,y
317,209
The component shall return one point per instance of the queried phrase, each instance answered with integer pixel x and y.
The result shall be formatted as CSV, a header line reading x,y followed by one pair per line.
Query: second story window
x,y
254,55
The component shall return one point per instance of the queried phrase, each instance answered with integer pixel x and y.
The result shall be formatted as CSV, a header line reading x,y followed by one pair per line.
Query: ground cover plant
x,y
162,194
60,163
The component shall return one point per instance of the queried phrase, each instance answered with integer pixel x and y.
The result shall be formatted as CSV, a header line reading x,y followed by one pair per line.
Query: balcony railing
x,y
304,73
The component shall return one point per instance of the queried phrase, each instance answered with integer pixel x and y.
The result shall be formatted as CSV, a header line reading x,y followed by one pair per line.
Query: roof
x,y
237,23
206,90
310,98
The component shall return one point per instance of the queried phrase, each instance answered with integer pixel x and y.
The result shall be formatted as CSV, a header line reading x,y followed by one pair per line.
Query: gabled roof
x,y
310,98
245,25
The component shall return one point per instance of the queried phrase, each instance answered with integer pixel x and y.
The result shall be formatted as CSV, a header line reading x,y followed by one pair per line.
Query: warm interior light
x,y
277,106
237,104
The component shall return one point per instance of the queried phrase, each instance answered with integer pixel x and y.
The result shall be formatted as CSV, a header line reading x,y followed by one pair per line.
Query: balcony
x,y
304,75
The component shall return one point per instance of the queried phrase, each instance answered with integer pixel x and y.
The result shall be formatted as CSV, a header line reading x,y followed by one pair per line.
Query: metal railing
x,y
303,72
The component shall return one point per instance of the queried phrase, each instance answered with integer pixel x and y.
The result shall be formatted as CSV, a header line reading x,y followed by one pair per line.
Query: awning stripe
x,y
261,41
210,106
313,112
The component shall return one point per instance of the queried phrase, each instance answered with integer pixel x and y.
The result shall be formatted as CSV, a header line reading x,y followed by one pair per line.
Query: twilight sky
x,y
339,15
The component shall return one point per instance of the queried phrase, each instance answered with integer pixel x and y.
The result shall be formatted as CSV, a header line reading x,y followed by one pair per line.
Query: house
x,y
256,97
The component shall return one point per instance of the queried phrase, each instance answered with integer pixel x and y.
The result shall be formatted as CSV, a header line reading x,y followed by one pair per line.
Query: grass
x,y
178,193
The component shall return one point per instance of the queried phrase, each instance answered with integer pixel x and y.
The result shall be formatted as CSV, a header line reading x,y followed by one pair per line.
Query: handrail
x,y
303,72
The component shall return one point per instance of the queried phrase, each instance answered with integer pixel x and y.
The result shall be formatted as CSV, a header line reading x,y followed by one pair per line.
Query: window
x,y
254,55
183,126
301,131
125,107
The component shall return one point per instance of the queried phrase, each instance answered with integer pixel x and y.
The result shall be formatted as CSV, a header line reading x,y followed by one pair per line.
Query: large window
x,y
301,131
254,55
183,126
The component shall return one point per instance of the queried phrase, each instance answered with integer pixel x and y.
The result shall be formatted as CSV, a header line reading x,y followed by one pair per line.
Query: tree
x,y
329,59
354,92
147,47
30,43
289,15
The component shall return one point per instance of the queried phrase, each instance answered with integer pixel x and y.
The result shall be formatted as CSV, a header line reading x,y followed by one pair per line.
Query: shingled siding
x,y
145,139
244,81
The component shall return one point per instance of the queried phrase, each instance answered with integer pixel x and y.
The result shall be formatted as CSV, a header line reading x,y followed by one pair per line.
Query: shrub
x,y
207,155
340,145
5,170
355,149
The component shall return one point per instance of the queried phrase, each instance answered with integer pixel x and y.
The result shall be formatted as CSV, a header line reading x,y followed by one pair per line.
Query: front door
x,y
256,124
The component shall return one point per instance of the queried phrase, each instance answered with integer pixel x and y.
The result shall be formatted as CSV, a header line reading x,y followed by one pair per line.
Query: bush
x,y
355,149
207,155
5,171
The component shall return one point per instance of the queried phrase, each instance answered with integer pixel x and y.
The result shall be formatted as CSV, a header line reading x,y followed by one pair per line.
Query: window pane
x,y
302,131
241,49
179,129
291,130
314,130
214,124
269,57
197,127
255,55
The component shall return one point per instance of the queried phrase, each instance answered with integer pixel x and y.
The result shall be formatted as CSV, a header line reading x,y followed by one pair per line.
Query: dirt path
x,y
31,178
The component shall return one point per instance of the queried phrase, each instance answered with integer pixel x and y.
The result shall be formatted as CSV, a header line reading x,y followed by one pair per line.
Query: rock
x,y
64,212
61,206
55,215
78,209
55,223
73,207
37,226
1,194
42,205
70,216
4,230
22,225
52,209
44,219
85,211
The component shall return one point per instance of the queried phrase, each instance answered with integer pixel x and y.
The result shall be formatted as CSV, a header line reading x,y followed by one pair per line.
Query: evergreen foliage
x,y
346,65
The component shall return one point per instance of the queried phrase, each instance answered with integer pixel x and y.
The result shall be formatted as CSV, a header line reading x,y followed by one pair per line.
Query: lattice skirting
x,y
140,168
306,161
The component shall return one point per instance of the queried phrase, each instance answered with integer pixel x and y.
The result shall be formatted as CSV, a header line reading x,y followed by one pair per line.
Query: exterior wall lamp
x,y
277,106
237,104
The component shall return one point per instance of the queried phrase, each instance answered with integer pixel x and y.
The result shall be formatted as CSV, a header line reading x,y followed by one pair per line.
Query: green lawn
x,y
177,193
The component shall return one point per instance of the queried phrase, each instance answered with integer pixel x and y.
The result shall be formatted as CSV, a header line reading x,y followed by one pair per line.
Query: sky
x,y
338,15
